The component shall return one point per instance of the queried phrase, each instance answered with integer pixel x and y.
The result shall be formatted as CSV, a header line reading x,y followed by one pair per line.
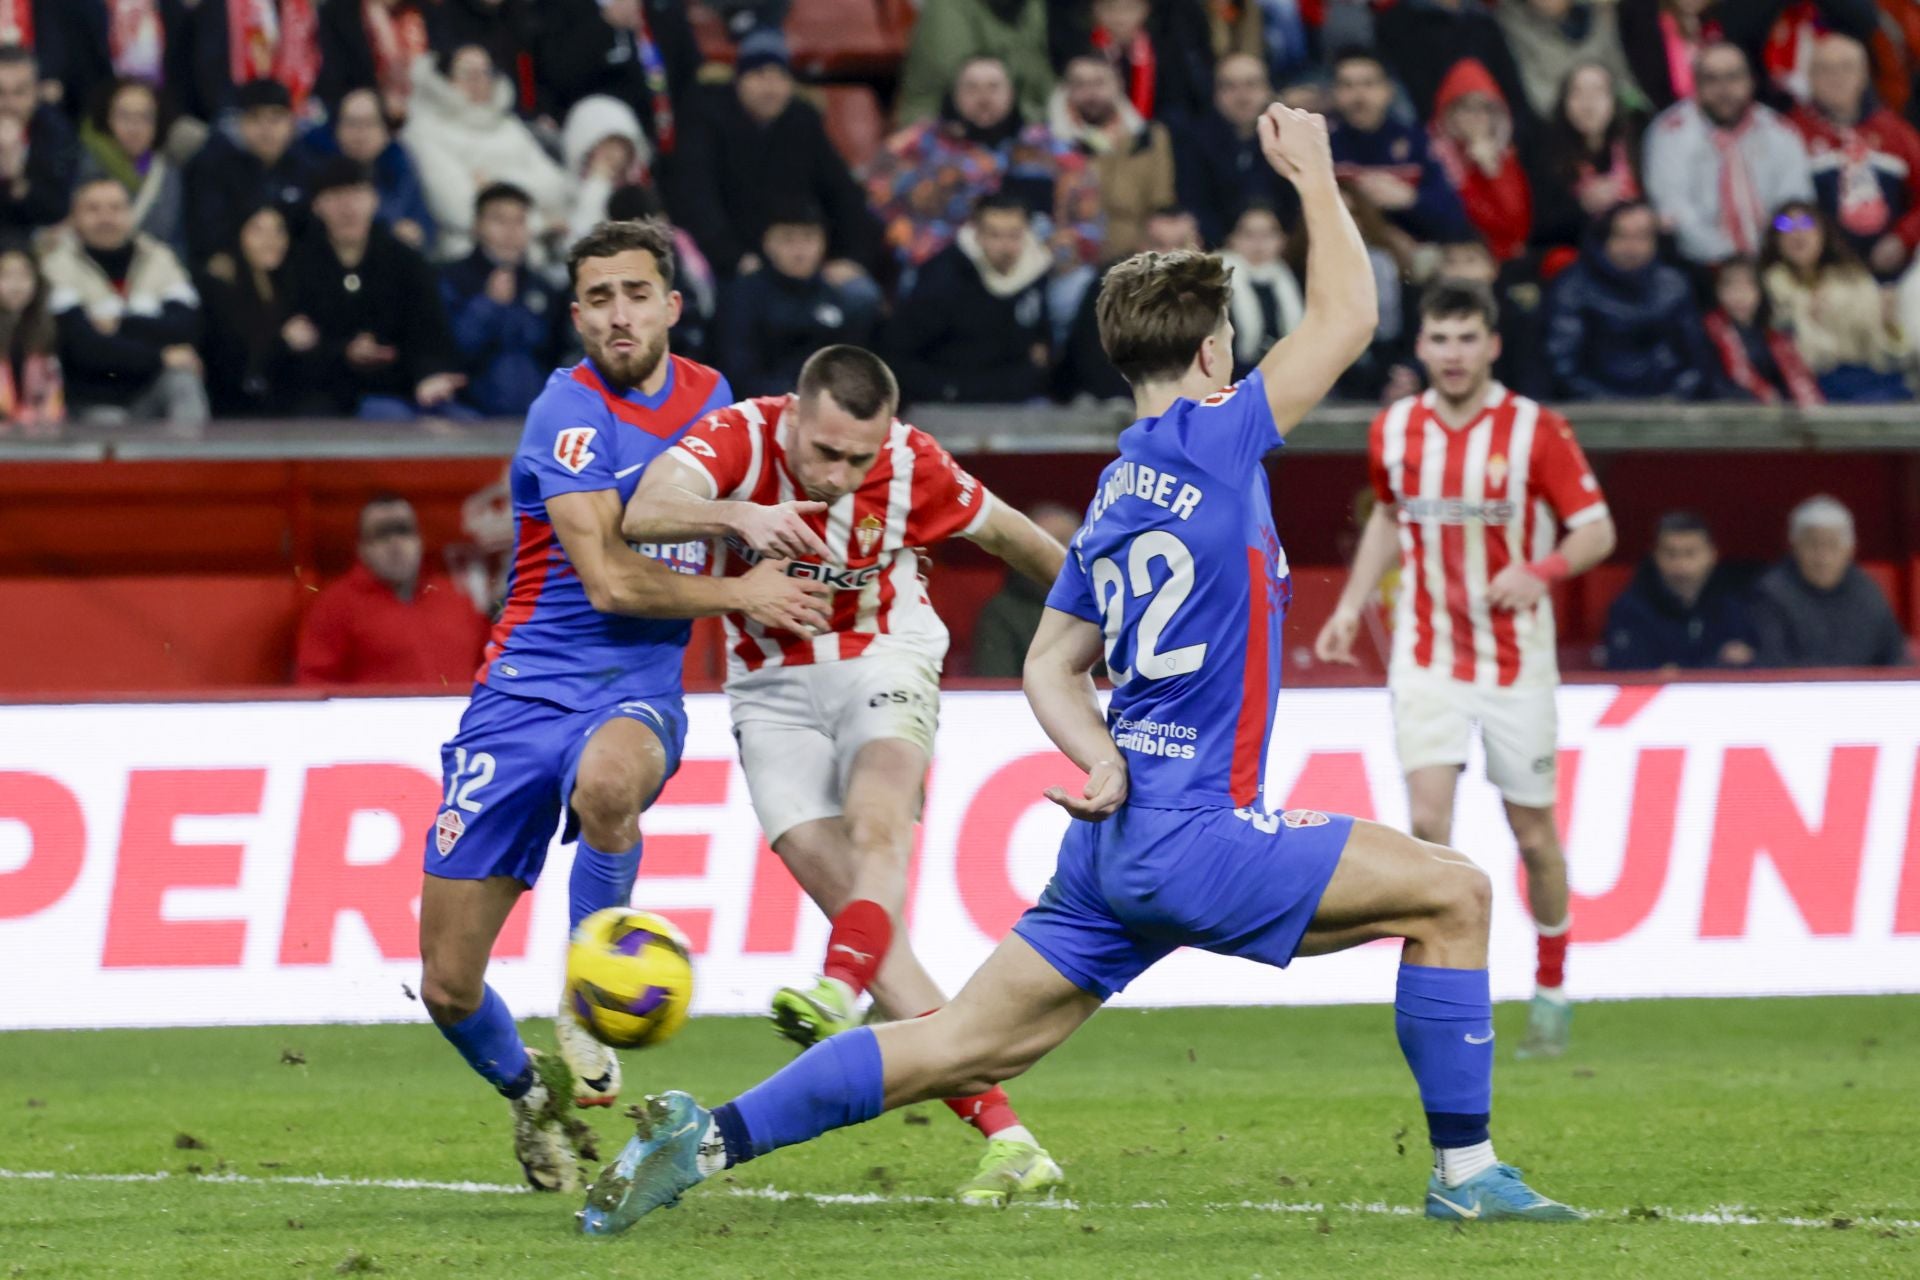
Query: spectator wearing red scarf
x,y
1473,140
1866,160
1163,51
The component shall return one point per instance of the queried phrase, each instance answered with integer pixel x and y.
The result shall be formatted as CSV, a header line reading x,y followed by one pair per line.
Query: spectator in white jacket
x,y
605,150
463,135
1718,164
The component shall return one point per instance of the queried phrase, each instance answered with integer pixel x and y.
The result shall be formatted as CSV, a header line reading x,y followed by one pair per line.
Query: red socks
x,y
859,941
1552,969
989,1112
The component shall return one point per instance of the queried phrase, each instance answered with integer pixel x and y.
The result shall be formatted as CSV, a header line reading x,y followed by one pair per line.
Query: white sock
x,y
1554,930
1557,995
711,1156
1455,1165
1016,1133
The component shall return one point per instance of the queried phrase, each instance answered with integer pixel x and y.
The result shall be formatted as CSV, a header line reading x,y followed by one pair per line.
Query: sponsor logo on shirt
x,y
572,448
1155,738
1460,511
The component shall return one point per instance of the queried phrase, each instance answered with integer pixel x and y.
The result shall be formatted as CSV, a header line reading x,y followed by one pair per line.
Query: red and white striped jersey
x,y
1471,501
915,495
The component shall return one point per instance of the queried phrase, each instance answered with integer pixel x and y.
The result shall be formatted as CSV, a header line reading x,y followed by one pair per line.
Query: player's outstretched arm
x,y
619,579
1059,683
1342,309
671,505
1379,548
1019,543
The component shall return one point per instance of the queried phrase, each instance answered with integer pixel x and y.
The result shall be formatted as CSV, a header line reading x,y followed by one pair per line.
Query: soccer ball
x,y
629,978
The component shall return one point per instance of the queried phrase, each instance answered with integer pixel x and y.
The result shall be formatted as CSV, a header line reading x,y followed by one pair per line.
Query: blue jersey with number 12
x,y
1179,564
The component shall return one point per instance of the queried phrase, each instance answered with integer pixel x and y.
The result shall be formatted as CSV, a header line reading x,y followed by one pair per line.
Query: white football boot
x,y
546,1150
596,1068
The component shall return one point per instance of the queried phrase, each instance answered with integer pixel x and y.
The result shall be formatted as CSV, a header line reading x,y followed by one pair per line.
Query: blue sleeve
x,y
568,446
1072,592
721,397
1229,432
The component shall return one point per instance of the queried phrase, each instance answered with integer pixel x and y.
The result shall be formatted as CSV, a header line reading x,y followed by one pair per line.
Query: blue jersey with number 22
x,y
1179,564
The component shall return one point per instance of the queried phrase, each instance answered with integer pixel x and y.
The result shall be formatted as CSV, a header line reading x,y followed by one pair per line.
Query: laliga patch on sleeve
x,y
1304,818
572,448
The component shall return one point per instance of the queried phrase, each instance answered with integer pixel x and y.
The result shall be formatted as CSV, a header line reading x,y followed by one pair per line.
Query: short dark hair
x,y
858,380
999,202
384,498
634,201
18,55
796,211
1354,53
1155,309
1450,299
1682,522
494,191
610,238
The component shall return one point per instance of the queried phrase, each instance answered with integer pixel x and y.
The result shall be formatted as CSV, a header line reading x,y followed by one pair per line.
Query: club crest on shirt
x,y
1497,471
867,533
1304,818
447,831
572,448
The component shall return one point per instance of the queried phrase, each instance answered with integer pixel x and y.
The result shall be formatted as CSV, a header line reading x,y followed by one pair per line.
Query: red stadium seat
x,y
855,123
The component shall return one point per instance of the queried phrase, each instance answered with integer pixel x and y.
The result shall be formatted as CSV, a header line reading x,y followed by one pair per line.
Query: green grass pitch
x,y
1716,1138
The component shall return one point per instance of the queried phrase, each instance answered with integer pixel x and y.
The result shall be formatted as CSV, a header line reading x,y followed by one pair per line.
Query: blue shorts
x,y
508,772
1129,890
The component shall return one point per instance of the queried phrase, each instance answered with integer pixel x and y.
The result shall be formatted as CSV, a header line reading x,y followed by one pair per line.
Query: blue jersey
x,y
1179,564
549,642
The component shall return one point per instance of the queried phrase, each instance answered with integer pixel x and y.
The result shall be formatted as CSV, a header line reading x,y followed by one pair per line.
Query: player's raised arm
x,y
675,502
1342,309
1059,682
618,579
1023,546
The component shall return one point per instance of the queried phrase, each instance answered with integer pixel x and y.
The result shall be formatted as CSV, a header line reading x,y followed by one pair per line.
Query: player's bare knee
x,y
1468,893
451,998
879,835
609,812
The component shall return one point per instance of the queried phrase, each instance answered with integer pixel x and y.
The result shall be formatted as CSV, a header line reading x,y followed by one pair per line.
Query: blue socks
x,y
1444,1018
600,880
836,1083
490,1043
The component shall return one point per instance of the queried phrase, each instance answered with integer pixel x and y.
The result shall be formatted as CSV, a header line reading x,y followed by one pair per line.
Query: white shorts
x,y
799,728
1434,717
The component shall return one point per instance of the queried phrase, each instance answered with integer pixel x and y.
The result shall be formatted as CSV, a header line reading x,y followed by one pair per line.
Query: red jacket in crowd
x,y
1866,175
360,632
1500,204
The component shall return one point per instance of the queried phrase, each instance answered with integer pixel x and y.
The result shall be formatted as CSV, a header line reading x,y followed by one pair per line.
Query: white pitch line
x,y
1719,1216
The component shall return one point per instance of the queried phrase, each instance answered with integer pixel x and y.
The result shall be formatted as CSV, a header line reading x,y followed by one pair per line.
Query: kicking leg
x,y
1391,885
1550,1017
817,854
459,920
1009,1015
621,769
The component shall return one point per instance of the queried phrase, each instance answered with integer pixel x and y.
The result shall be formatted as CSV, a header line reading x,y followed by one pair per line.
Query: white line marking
x,y
1718,1216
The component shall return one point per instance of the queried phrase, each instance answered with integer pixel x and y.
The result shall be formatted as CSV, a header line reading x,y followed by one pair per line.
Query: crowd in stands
x,y
266,208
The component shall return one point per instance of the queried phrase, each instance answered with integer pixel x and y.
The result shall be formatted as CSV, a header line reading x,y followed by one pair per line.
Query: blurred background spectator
x,y
1116,167
120,140
604,151
1522,363
508,323
1007,622
128,317
1218,165
1683,609
1163,50
1419,41
84,44
1865,159
1473,141
1621,324
1588,160
754,143
359,132
1662,38
1385,160
1828,301
772,320
260,160
32,398
1758,360
1550,38
974,329
926,178
1266,304
372,44
368,331
38,153
249,364
1083,368
1816,608
463,134
1719,164
947,34
640,52
386,622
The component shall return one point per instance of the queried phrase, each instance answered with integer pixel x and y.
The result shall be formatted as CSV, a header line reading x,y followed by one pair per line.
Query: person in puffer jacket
x,y
1473,141
1621,324
605,150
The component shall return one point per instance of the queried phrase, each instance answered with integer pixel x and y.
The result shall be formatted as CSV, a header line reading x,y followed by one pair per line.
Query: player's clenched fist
x,y
1335,641
781,530
772,599
1295,143
1101,798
